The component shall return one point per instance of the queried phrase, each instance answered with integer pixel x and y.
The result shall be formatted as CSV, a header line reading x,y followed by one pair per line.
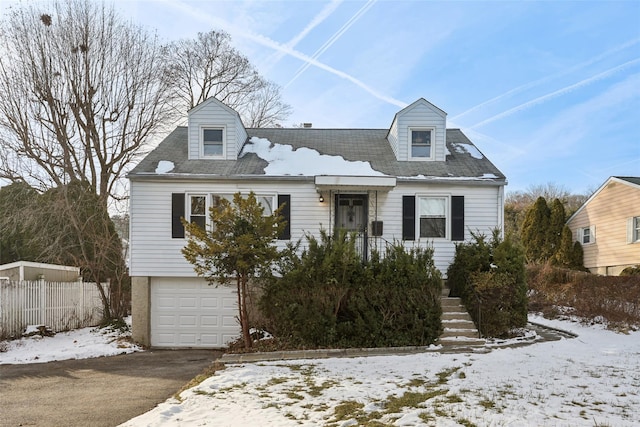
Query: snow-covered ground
x,y
77,344
592,380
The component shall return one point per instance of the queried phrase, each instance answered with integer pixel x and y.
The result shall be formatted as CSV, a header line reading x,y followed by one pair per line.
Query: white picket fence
x,y
61,306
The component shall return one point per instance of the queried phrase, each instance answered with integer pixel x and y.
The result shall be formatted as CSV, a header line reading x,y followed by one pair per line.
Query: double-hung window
x,y
587,235
212,142
433,216
267,203
633,230
198,210
421,143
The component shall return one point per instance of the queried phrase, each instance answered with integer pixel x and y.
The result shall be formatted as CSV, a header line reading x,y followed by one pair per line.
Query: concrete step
x,y
453,309
450,302
458,328
461,342
458,324
463,316
459,333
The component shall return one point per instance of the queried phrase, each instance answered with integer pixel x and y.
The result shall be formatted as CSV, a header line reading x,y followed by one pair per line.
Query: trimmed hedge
x,y
329,298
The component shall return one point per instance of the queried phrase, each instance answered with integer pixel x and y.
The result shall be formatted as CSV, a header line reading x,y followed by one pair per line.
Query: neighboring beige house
x,y
608,226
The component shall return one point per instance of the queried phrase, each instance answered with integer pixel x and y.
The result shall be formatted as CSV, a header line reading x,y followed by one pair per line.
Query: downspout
x,y
501,210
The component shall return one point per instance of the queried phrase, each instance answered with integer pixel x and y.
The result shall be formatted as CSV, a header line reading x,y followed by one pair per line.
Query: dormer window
x,y
213,142
421,143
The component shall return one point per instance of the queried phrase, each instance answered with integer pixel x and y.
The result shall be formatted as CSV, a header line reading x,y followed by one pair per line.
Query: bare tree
x,y
81,92
209,66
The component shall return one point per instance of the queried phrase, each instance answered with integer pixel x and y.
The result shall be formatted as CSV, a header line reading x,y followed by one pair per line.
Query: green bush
x,y
490,278
329,298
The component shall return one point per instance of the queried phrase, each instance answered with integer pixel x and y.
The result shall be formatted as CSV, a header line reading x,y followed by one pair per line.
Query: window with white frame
x,y
633,230
421,142
212,142
587,235
267,203
198,209
432,213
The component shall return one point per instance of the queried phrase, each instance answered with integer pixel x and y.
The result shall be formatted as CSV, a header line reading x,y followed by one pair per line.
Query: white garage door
x,y
190,313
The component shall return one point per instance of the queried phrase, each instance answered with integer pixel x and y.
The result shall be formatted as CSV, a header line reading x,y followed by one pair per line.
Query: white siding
x,y
482,215
393,137
214,114
155,253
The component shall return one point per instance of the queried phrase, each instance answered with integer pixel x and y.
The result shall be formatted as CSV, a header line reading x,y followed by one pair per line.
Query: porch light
x,y
321,199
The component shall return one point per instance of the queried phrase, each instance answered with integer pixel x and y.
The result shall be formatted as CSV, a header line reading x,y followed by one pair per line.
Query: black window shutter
x,y
177,212
286,214
457,218
408,217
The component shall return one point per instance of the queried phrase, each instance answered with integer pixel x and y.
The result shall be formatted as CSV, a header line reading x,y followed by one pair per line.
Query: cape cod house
x,y
607,226
416,182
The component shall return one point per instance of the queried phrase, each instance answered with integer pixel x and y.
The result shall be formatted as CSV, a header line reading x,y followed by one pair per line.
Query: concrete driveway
x,y
100,392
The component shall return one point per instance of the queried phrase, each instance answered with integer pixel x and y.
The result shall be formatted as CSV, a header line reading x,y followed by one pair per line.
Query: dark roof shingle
x,y
352,144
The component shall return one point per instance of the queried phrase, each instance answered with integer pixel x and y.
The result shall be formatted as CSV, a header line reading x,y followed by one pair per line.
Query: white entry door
x,y
190,313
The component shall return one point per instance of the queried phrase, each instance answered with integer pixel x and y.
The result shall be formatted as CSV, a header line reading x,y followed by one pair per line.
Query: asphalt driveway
x,y
100,392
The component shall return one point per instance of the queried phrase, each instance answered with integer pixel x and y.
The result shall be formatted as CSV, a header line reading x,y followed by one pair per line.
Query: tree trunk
x,y
244,318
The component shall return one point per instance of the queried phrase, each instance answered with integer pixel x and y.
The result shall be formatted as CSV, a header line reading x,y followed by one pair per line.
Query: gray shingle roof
x,y
632,179
353,144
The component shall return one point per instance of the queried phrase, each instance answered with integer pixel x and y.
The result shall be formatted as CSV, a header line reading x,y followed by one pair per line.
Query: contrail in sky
x,y
272,44
548,78
333,39
556,93
317,20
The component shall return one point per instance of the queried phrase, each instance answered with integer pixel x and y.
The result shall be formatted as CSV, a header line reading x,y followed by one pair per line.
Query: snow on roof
x,y
164,166
284,160
463,148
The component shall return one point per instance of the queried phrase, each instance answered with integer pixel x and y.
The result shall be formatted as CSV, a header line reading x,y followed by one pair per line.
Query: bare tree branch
x,y
81,92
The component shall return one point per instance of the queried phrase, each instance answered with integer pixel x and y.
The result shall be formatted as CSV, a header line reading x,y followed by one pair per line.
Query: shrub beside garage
x,y
327,297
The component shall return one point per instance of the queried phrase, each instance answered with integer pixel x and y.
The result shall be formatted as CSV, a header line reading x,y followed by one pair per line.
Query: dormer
x,y
418,132
215,131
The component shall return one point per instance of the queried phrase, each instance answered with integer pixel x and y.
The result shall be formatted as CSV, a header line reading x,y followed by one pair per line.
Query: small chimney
x,y
307,125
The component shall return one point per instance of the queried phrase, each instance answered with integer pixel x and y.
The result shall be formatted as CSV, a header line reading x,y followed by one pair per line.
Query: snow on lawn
x,y
590,380
77,344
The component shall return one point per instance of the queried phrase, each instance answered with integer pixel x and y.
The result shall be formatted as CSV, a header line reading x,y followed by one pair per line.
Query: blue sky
x,y
549,91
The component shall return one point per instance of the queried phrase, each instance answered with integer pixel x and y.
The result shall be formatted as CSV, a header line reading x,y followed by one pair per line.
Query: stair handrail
x,y
475,294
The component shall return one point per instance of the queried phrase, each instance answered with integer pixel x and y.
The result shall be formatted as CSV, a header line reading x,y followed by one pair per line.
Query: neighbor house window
x,y
212,142
587,235
433,216
198,210
421,143
633,230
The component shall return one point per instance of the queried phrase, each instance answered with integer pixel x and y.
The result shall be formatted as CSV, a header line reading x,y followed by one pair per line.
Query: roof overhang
x,y
342,182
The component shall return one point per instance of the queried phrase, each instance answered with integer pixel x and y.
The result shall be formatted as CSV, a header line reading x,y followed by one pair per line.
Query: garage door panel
x,y
166,302
189,313
211,340
188,321
211,321
229,303
188,303
229,321
211,303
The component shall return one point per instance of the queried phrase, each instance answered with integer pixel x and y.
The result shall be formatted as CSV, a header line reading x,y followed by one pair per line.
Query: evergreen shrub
x,y
329,298
490,278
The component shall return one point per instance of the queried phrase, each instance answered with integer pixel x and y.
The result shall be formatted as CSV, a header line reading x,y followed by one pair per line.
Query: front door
x,y
351,212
